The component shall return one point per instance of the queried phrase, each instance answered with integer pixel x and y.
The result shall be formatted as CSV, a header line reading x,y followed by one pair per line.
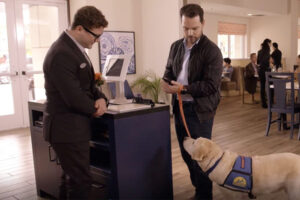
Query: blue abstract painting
x,y
115,43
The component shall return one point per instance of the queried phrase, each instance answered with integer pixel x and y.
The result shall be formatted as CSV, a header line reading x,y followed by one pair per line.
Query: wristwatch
x,y
184,90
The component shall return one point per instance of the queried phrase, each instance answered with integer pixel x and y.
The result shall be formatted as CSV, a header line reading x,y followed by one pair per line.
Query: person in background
x,y
263,61
227,70
297,67
3,68
195,68
276,56
251,74
73,99
3,59
272,65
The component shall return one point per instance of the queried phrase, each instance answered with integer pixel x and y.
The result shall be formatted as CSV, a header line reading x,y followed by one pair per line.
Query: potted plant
x,y
149,84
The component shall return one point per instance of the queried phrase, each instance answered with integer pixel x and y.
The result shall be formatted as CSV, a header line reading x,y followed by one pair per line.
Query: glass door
x,y
40,25
10,106
37,25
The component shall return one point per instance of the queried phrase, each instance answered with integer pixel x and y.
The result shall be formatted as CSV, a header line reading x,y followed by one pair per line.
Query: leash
x,y
181,110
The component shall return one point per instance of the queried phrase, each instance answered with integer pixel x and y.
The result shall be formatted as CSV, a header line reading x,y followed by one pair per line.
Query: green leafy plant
x,y
149,84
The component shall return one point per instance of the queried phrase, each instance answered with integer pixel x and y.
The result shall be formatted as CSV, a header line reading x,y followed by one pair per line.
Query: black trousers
x,y
197,128
263,98
75,162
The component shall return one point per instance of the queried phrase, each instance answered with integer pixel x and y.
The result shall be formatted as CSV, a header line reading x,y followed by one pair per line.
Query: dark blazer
x,y
70,91
276,56
250,79
204,74
263,60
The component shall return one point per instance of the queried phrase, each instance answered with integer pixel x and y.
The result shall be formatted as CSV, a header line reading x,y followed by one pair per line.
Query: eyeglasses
x,y
94,34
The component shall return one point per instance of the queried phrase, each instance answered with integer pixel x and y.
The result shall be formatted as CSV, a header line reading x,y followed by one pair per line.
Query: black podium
x,y
130,155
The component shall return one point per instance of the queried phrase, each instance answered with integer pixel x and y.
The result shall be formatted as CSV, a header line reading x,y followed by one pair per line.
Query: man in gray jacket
x,y
194,63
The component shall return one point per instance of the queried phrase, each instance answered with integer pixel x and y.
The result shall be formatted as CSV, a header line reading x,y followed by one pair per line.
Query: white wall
x,y
280,24
121,16
154,22
156,25
265,6
160,28
275,28
281,29
74,5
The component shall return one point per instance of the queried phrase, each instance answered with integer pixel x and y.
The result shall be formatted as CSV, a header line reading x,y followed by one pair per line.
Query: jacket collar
x,y
184,43
197,44
70,43
82,49
67,39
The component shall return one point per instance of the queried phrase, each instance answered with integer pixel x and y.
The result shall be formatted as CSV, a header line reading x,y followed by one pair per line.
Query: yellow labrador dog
x,y
270,173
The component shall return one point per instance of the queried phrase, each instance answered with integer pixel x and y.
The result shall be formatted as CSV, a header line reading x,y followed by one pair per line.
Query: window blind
x,y
231,28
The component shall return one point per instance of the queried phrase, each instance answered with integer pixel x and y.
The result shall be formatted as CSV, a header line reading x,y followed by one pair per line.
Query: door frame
x,y
16,119
17,54
63,24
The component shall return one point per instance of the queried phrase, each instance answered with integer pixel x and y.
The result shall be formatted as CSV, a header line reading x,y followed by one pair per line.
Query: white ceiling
x,y
233,10
242,8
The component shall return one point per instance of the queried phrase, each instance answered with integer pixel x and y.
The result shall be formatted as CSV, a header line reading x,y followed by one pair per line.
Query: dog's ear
x,y
201,149
197,155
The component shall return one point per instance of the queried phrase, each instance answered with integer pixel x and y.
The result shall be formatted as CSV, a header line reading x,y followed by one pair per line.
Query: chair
x,y
243,86
281,104
231,88
298,87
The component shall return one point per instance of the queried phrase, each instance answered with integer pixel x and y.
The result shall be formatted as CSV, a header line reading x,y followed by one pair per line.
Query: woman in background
x,y
227,70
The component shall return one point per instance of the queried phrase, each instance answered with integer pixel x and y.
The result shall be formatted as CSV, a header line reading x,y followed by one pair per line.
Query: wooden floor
x,y
17,180
237,127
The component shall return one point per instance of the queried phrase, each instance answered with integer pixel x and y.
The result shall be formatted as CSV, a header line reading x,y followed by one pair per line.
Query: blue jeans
x,y
197,129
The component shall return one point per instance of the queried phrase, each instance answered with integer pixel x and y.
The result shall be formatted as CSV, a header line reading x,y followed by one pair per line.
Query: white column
x,y
291,58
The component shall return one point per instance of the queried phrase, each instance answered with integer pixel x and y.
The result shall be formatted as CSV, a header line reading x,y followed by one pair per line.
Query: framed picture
x,y
115,43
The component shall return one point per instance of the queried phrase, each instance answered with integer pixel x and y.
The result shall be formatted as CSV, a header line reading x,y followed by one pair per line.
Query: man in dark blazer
x,y
72,100
276,56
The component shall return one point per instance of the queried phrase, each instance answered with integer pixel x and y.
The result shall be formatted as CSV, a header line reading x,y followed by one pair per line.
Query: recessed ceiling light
x,y
255,15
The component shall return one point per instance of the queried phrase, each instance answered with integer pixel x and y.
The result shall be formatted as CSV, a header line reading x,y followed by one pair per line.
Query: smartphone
x,y
167,80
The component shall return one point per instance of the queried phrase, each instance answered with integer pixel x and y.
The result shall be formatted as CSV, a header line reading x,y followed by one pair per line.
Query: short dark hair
x,y
227,60
252,54
89,17
192,10
275,45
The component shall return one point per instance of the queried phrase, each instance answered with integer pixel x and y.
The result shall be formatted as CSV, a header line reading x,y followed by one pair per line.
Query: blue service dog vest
x,y
240,177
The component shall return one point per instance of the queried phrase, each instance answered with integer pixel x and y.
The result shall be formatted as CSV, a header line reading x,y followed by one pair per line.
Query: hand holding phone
x,y
167,80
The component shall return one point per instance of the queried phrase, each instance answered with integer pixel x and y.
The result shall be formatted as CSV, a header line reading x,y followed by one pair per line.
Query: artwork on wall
x,y
115,43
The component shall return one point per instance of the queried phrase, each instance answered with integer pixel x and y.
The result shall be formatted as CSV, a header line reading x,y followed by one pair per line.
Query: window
x,y
231,39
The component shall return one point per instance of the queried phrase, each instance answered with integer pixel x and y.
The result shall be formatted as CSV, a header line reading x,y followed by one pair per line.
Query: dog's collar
x,y
214,166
